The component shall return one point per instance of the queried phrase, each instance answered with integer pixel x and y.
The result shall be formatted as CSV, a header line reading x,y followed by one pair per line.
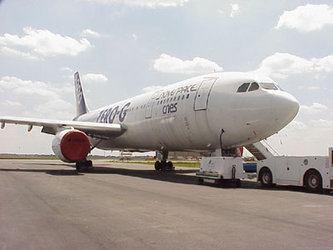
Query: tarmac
x,y
46,204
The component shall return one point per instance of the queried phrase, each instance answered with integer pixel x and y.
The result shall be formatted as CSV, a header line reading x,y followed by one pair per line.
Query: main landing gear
x,y
163,165
82,166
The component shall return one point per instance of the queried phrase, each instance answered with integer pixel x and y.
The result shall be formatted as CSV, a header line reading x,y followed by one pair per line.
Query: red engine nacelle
x,y
71,145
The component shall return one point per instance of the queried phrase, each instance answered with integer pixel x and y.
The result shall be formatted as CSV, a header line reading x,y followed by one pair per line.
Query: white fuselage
x,y
190,115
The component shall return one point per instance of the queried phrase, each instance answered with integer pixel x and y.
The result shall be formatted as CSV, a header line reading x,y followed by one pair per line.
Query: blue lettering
x,y
99,116
113,114
102,116
109,115
169,108
123,112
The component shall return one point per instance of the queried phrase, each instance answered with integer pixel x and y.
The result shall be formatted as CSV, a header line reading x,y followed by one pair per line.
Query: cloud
x,y
94,78
321,123
313,88
298,125
282,65
90,33
27,87
169,64
11,104
234,10
309,88
55,108
315,108
151,88
145,3
43,99
307,18
135,37
324,64
67,69
13,52
301,138
36,43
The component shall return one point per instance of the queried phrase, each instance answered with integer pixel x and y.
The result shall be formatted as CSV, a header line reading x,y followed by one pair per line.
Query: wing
x,y
94,129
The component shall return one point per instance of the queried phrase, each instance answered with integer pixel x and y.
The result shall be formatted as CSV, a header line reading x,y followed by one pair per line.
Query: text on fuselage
x,y
109,115
177,91
169,108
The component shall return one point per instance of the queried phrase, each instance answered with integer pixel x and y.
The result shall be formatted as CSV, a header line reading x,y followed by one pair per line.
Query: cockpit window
x,y
268,85
254,86
243,87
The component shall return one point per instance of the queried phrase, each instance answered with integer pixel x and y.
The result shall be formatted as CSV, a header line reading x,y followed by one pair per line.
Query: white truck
x,y
313,172
217,169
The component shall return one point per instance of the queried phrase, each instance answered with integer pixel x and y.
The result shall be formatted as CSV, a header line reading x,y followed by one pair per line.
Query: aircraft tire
x,y
83,165
163,166
158,166
169,166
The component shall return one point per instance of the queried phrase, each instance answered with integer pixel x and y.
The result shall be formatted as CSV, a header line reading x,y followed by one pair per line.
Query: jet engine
x,y
71,145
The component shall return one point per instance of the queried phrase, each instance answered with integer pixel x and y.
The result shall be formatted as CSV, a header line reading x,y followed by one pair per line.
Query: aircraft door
x,y
202,95
150,105
149,108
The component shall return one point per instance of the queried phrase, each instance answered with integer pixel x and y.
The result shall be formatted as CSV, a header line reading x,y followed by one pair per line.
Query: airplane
x,y
215,113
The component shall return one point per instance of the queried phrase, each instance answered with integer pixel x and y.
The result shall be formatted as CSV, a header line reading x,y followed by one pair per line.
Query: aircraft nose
x,y
286,108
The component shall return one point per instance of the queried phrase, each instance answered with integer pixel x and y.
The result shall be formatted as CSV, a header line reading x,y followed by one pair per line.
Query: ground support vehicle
x,y
217,169
313,172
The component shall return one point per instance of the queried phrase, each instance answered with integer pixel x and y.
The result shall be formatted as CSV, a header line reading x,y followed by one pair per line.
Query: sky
x,y
126,47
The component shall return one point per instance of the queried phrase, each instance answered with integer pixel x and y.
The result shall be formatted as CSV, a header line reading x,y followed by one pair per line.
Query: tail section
x,y
81,106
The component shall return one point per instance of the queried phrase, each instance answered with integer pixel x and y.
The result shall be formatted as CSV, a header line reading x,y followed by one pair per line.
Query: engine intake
x,y
71,145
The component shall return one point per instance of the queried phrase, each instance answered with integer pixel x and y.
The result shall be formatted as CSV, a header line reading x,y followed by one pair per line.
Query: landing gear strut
x,y
83,165
163,165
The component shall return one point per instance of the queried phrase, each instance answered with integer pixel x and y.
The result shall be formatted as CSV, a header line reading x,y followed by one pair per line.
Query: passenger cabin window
x,y
254,86
268,85
243,87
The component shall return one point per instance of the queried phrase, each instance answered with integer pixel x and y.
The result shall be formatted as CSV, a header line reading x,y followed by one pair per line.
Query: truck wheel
x,y
313,181
265,177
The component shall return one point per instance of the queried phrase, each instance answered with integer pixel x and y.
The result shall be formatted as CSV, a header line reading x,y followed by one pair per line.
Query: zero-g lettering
x,y
123,112
113,114
102,115
110,114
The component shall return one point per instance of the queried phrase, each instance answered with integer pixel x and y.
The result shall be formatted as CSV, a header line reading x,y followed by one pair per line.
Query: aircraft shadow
x,y
62,172
177,176
183,176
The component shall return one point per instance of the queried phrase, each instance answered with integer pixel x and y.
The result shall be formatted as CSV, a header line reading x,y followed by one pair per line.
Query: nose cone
x,y
286,108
